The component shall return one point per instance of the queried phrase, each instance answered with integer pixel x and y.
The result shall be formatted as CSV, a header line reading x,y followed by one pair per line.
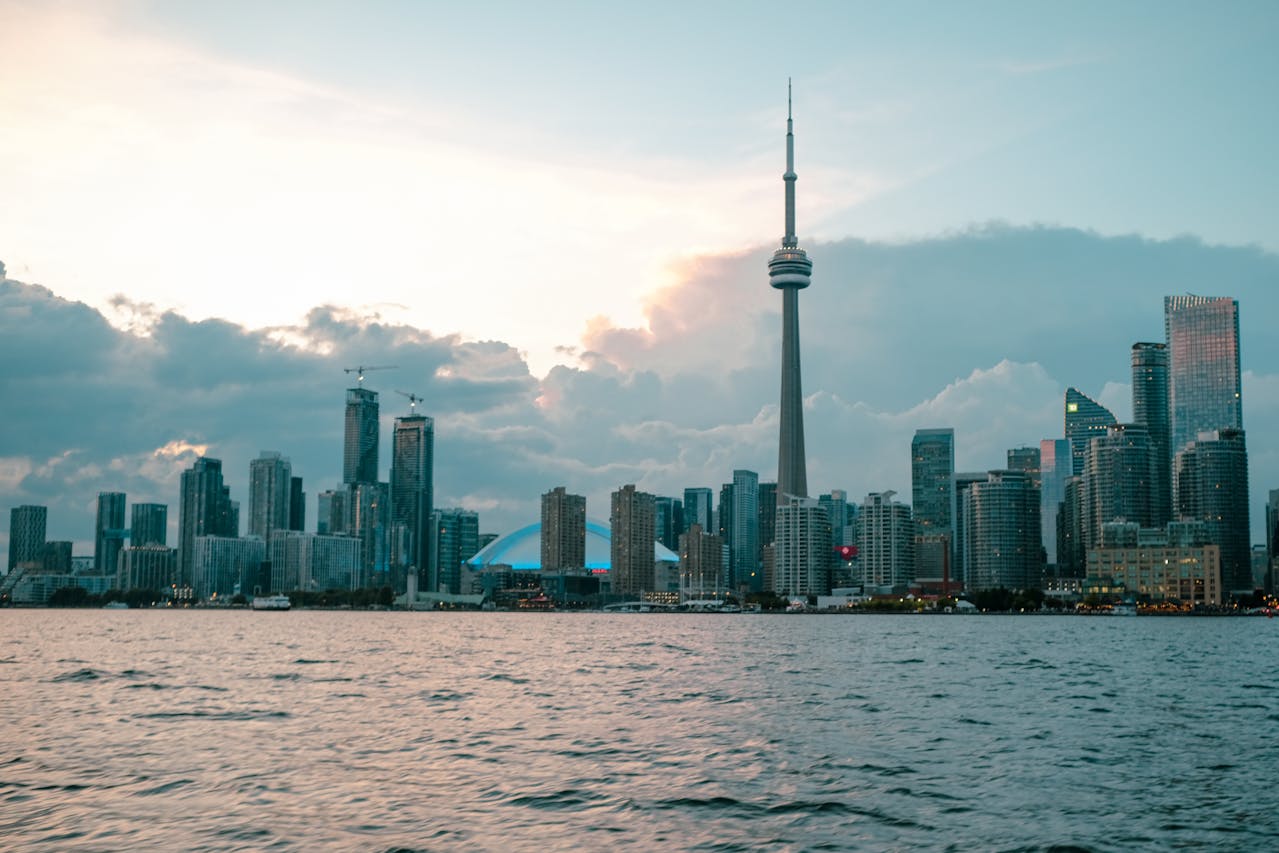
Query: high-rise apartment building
x,y
698,508
152,567
1210,484
836,506
270,494
109,531
1202,333
1150,409
205,508
331,509
724,521
360,444
886,543
932,479
631,550
1071,555
746,572
963,481
1085,420
1001,533
150,525
367,519
563,530
701,567
27,525
801,548
1118,481
412,499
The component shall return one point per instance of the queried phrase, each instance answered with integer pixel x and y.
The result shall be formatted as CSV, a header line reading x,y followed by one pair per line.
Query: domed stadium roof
x,y
522,549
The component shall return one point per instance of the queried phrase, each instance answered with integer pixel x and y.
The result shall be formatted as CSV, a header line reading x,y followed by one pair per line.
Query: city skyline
x,y
939,320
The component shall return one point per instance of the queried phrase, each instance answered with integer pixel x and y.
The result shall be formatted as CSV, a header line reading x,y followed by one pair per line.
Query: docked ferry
x,y
272,602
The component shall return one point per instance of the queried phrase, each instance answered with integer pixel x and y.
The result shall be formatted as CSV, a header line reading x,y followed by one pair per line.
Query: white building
x,y
802,548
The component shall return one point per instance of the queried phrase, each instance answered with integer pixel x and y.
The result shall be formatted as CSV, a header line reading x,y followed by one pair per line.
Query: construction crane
x,y
414,399
362,369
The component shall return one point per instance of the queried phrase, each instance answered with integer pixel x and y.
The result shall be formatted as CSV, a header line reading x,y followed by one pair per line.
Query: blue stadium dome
x,y
522,549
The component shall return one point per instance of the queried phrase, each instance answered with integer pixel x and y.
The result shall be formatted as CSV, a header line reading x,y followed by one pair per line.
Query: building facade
x,y
1085,419
412,500
932,479
1118,480
1150,409
149,525
1001,533
745,568
563,530
270,494
1204,391
205,508
701,557
152,567
360,440
109,532
1210,484
886,543
631,550
222,566
312,562
801,549
27,526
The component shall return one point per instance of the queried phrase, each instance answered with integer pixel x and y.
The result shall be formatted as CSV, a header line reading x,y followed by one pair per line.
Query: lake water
x,y
234,730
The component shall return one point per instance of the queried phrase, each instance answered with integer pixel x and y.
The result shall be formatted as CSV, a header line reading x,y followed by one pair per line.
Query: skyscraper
x,y
1203,368
1272,539
1026,460
932,480
666,519
412,498
297,505
964,480
205,508
360,445
1085,420
698,508
836,506
457,534
270,494
789,271
631,549
767,515
150,525
27,525
1150,409
1210,484
1055,467
563,530
745,537
108,532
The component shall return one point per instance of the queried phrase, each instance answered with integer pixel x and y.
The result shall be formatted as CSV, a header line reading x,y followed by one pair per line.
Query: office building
x,y
631,551
149,525
1210,484
667,517
767,515
205,508
297,504
801,549
1001,533
1204,391
27,526
886,544
331,512
1028,461
1150,410
698,508
563,530
746,574
270,494
1085,420
1055,467
836,506
457,533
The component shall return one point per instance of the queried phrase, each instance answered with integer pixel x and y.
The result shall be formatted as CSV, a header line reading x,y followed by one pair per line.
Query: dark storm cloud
x,y
980,330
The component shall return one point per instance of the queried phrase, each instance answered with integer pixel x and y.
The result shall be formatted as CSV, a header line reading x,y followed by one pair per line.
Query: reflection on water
x,y
309,730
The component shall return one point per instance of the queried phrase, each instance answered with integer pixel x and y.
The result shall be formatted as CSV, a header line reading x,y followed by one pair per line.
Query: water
x,y
203,730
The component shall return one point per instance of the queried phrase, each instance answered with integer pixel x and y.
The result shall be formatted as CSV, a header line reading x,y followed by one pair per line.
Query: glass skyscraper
x,y
1210,484
108,532
412,498
932,480
1150,409
1086,419
1203,365
360,445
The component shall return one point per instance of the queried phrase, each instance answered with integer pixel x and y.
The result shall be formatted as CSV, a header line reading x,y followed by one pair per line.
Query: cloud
x,y
979,330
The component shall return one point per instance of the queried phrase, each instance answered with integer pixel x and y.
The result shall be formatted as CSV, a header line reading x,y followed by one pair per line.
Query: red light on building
x,y
846,552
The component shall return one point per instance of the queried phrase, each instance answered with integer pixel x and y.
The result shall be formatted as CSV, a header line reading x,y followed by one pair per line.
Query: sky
x,y
555,219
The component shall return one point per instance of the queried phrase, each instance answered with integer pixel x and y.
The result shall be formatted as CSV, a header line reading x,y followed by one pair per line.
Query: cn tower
x,y
789,271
